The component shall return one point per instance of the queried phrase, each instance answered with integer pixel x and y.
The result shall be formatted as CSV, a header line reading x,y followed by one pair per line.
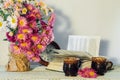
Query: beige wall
x,y
89,17
84,17
3,49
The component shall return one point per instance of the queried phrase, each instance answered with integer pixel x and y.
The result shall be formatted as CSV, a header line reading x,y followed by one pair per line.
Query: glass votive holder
x,y
71,66
101,65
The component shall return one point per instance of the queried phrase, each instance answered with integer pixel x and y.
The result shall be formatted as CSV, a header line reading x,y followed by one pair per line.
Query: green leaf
x,y
12,30
5,16
15,31
4,39
1,13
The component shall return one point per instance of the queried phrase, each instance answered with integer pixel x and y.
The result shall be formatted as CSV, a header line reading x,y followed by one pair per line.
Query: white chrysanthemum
x,y
12,20
2,23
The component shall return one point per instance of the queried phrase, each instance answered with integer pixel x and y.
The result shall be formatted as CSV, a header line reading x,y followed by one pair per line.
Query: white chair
x,y
88,44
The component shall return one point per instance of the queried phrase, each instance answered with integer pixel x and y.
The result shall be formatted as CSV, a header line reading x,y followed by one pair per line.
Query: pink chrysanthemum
x,y
34,28
36,58
30,7
21,37
29,54
51,20
17,6
22,22
49,31
10,37
31,17
50,37
25,30
35,38
37,13
37,49
44,40
41,47
15,49
87,73
33,24
25,45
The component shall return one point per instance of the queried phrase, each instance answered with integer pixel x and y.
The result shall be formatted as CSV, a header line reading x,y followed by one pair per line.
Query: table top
x,y
41,73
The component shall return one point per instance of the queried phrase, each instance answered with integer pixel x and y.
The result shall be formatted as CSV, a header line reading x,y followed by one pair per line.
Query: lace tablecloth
x,y
41,73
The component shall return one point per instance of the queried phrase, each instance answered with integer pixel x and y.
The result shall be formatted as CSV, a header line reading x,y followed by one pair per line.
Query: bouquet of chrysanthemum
x,y
29,25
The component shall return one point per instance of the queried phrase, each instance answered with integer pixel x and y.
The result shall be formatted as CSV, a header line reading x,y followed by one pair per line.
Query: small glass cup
x,y
101,65
71,66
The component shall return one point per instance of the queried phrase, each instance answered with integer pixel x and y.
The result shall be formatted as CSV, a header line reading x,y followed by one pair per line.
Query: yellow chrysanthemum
x,y
24,11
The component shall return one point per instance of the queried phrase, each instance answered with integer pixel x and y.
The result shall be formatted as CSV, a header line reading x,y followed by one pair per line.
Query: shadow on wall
x,y
62,28
104,45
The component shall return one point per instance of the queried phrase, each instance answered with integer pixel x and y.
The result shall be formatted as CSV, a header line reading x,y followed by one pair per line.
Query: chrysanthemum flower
x,y
15,48
6,4
18,6
22,22
30,54
40,47
30,7
31,17
12,21
51,20
21,37
37,49
25,30
2,23
42,4
33,24
44,40
36,58
87,73
35,38
35,10
48,31
24,11
25,45
37,13
16,13
51,37
10,36
30,26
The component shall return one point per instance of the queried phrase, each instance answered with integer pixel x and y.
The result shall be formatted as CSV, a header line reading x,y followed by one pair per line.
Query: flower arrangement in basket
x,y
29,25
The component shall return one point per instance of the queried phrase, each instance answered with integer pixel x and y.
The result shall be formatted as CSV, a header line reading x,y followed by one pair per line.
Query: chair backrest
x,y
88,44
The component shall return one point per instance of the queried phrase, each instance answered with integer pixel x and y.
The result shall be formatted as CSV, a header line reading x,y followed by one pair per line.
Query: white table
x,y
40,73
